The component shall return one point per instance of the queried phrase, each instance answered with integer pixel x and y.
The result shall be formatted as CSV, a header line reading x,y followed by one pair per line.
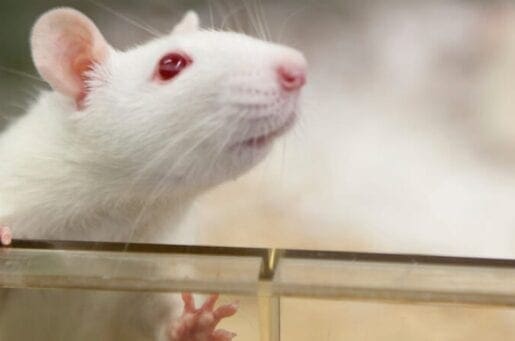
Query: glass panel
x,y
83,283
335,320
393,280
148,271
87,315
278,290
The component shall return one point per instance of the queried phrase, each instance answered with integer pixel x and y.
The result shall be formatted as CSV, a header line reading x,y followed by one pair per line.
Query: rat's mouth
x,y
262,140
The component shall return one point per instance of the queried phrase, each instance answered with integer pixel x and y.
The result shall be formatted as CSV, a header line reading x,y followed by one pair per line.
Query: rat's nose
x,y
291,76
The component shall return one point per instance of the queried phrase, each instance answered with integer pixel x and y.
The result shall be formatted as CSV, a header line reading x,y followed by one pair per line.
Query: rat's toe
x,y
6,236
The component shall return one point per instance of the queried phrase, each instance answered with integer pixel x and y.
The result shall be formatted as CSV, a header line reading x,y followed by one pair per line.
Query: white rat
x,y
120,148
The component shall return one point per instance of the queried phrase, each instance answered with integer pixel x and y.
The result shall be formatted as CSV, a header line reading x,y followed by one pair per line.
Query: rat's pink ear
x,y
189,23
65,44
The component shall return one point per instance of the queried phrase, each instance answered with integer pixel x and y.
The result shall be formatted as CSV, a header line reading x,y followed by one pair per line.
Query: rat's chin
x,y
263,141
245,152
232,164
241,156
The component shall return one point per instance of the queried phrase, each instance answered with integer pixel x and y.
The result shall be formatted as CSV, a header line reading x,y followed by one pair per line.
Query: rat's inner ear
x,y
189,23
65,44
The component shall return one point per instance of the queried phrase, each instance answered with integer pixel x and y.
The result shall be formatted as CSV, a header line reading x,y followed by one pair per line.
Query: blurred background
x,y
406,142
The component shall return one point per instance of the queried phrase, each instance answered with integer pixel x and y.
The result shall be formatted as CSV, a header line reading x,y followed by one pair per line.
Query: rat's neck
x,y
52,188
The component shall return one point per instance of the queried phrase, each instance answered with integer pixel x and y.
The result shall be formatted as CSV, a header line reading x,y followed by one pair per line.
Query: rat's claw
x,y
225,311
222,335
6,236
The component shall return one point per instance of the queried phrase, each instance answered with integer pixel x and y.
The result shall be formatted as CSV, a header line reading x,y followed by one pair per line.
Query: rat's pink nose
x,y
291,77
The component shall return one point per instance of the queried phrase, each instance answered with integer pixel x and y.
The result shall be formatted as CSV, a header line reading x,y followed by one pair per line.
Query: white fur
x,y
127,166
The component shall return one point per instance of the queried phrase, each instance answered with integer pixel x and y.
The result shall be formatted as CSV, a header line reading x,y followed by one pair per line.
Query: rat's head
x,y
194,107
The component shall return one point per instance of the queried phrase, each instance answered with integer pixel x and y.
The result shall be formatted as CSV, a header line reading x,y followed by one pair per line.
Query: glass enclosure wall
x,y
281,291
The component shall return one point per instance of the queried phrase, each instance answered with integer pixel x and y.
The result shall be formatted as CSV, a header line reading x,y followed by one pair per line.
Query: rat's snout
x,y
292,76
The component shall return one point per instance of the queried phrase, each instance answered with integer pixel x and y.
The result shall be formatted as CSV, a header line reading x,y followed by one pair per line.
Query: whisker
x,y
232,129
211,15
252,20
150,30
261,17
21,73
229,15
282,29
159,189
177,139
283,159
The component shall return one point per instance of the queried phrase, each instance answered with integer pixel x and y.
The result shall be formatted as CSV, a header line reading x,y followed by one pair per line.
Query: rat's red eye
x,y
171,64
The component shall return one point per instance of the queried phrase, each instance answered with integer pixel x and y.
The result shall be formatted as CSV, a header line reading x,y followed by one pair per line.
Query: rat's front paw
x,y
5,235
199,324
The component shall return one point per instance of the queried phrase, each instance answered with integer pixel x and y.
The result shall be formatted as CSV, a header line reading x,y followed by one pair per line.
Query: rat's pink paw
x,y
6,236
199,324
